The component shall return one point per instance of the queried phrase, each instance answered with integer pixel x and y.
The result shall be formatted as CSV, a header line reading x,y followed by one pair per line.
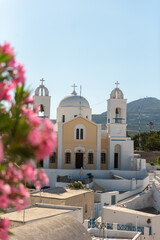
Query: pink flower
x,y
37,185
29,100
29,171
7,49
5,222
34,137
4,91
1,151
20,74
23,191
4,234
43,177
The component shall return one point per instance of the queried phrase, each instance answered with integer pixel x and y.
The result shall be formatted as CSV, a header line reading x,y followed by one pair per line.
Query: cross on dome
x,y
42,80
117,83
74,89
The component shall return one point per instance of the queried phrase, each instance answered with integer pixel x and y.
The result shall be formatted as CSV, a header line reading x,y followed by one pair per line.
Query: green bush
x,y
152,163
77,185
158,160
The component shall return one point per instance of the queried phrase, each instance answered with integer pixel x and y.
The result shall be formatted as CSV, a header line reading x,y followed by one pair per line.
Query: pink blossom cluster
x,y
16,72
4,224
40,139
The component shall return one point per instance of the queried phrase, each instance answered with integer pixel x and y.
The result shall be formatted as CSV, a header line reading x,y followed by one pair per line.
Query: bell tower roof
x,y
41,90
117,92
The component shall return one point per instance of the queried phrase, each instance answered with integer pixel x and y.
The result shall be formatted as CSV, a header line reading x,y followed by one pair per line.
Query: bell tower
x,y
116,113
120,146
42,99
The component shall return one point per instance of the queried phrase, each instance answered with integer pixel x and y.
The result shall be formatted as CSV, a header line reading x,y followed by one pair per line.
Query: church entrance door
x,y
79,160
116,160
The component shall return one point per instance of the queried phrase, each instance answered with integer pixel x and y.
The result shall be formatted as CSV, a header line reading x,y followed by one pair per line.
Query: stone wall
x,y
150,156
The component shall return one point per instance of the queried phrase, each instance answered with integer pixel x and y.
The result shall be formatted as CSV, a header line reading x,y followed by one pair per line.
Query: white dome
x,y
74,100
116,94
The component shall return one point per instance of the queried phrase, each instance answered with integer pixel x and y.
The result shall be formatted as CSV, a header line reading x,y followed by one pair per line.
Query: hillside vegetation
x,y
149,141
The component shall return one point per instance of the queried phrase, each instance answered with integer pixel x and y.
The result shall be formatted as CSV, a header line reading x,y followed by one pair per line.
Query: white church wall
x,y
70,113
118,130
126,153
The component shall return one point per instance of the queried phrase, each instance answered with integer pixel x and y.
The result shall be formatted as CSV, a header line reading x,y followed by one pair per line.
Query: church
x,y
81,142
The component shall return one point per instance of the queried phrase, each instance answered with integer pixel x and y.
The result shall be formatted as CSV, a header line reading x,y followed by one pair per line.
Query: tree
x,y
25,138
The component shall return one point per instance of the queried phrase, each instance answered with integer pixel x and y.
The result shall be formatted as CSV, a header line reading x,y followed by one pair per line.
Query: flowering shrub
x,y
25,138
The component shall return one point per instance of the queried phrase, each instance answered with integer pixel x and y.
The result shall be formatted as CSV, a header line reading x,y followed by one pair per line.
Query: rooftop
x,y
60,193
127,210
37,212
55,228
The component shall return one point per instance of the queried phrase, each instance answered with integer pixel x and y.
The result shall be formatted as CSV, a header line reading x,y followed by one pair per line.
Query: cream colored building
x,y
81,142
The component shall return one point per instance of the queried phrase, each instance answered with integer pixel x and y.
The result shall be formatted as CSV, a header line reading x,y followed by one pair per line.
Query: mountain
x,y
149,109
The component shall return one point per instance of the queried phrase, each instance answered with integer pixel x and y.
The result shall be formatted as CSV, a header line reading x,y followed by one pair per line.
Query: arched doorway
x,y
117,156
79,157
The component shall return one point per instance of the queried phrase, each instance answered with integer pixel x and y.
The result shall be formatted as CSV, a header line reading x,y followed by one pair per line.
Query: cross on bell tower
x,y
117,83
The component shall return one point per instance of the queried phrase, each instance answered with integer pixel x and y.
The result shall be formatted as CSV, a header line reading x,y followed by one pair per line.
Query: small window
x,y
41,108
63,118
67,157
52,158
40,163
85,208
81,136
108,120
86,117
103,158
75,115
77,133
113,200
90,158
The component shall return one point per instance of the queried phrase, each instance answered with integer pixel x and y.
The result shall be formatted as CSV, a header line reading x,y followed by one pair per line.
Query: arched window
x,y
81,135
52,158
67,156
41,111
118,115
63,118
79,132
90,157
103,157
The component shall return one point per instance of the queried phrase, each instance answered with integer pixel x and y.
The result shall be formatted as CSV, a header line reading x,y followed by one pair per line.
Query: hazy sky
x,y
92,43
